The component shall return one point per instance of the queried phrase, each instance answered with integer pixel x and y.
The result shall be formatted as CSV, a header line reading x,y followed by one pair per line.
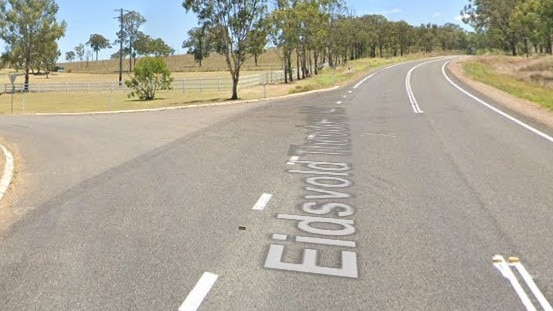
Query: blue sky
x,y
168,20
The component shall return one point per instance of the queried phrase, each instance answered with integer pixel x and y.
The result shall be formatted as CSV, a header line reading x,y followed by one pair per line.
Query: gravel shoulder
x,y
524,107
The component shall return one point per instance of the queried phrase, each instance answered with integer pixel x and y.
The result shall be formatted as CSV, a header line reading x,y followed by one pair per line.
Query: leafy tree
x,y
145,45
233,23
132,21
46,57
80,51
98,42
494,18
150,74
198,44
29,27
159,48
70,56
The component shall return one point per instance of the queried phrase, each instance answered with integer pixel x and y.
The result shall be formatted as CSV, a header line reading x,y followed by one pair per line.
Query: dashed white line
x,y
339,103
363,81
262,202
199,292
503,114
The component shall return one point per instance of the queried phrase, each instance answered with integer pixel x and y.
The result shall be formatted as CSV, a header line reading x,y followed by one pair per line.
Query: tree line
x,y
135,42
309,34
514,26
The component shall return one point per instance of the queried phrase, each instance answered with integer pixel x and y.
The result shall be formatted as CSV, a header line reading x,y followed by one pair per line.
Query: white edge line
x,y
503,267
262,202
199,292
503,114
533,287
8,172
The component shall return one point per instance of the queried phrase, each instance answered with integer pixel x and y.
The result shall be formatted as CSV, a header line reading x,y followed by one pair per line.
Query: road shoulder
x,y
524,107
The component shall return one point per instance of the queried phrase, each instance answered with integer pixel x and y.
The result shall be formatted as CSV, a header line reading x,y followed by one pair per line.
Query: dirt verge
x,y
524,107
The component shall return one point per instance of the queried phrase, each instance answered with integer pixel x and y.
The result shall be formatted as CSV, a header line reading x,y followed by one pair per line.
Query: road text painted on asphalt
x,y
324,214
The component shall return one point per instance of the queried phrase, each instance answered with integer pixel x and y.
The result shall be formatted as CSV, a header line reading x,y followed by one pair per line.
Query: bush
x,y
150,74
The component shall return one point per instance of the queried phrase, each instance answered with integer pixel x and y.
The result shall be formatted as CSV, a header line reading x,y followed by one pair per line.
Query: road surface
x,y
391,194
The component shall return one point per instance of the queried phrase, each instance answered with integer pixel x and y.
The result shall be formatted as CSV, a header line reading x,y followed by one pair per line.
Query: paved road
x,y
353,199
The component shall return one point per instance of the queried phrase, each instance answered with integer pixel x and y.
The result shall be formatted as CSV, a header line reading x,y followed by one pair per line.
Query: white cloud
x,y
388,12
460,17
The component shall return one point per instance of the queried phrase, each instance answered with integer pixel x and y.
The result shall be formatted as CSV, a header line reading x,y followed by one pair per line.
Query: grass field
x,y
530,79
180,63
87,101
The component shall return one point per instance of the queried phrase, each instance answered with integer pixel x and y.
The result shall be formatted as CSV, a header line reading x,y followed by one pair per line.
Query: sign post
x,y
12,76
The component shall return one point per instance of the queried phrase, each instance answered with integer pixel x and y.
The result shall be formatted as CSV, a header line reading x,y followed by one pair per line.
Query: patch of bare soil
x,y
522,106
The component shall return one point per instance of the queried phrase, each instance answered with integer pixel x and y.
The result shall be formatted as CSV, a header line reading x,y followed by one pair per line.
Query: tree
x,y
150,74
131,21
98,42
46,57
232,22
494,18
70,56
30,26
80,51
198,44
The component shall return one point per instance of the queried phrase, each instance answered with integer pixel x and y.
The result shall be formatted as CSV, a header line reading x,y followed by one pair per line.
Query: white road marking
x,y
339,103
310,137
332,110
373,74
199,292
303,239
505,268
8,172
381,134
409,88
280,237
503,114
515,262
363,81
350,92
500,263
262,202
293,160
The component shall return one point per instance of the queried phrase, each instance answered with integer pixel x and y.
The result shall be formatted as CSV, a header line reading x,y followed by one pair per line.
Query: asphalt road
x,y
352,199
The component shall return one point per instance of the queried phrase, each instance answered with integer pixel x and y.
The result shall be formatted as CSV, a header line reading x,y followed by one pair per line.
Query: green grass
x,y
30,103
519,88
343,73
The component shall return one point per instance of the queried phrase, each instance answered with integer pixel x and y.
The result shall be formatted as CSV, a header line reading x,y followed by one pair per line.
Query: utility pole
x,y
120,46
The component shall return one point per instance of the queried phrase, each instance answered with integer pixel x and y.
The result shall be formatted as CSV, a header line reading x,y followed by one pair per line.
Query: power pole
x,y
120,46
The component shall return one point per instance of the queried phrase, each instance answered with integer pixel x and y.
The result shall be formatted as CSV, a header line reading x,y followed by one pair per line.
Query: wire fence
x,y
182,85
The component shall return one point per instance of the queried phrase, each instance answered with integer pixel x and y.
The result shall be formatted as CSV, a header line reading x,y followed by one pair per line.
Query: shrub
x,y
150,74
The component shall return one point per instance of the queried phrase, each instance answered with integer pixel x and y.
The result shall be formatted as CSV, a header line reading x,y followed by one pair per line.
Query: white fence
x,y
183,85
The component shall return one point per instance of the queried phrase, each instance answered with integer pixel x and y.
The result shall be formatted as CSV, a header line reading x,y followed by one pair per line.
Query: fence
x,y
183,85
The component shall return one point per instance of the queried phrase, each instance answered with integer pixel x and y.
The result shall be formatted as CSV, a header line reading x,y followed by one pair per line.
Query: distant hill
x,y
269,61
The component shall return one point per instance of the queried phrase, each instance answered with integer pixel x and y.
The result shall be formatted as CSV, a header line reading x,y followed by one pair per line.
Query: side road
x,y
522,107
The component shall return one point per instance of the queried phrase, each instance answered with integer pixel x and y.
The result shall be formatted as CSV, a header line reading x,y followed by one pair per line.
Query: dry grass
x,y
180,63
106,101
530,79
